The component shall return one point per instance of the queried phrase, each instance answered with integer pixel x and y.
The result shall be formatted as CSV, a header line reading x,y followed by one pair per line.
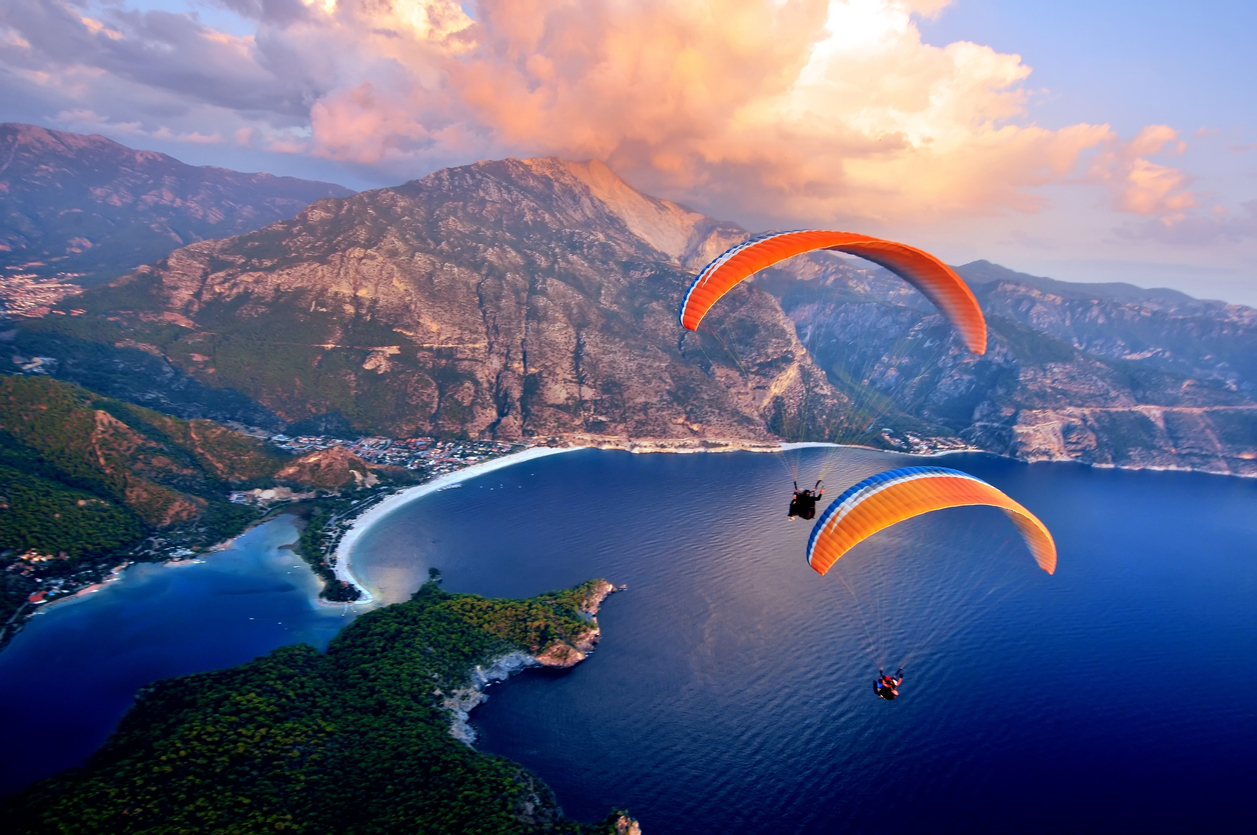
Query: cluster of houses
x,y
27,295
912,442
435,456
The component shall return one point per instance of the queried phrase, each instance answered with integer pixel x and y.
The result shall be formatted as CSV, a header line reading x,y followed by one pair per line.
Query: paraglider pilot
x,y
887,686
803,504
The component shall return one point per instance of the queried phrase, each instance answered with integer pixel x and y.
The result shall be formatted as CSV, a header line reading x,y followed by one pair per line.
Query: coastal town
x,y
919,445
425,457
436,457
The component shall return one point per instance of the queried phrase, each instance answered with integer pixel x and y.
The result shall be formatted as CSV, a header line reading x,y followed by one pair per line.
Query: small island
x,y
369,737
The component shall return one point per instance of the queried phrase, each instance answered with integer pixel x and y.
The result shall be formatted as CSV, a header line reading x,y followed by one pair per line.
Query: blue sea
x,y
72,672
732,690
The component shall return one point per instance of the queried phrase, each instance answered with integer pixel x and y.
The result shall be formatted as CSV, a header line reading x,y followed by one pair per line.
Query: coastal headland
x,y
187,756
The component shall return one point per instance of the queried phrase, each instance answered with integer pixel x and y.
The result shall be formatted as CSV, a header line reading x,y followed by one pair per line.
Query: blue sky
x,y
1087,141
1130,64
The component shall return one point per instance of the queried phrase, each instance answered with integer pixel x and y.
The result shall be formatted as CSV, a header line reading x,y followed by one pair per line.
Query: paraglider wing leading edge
x,y
891,497
937,281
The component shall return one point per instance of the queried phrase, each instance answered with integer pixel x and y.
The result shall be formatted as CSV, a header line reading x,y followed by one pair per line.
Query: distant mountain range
x,y
88,210
1106,374
537,298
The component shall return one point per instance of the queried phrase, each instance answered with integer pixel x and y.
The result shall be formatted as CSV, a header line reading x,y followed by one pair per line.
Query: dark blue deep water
x,y
68,677
732,690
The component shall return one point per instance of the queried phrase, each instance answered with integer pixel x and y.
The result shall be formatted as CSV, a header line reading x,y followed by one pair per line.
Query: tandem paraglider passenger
x,y
803,504
888,686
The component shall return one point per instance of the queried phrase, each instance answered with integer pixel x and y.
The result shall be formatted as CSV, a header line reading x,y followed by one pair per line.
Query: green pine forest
x,y
354,740
85,480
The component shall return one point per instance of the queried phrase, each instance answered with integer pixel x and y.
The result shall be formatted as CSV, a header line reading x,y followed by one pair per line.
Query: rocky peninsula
x,y
560,654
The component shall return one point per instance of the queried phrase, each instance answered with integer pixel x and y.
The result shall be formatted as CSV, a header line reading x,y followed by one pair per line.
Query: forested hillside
x,y
355,740
85,478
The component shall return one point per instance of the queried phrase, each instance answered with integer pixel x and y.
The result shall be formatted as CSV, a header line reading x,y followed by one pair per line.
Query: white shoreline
x,y
343,569
362,523
344,550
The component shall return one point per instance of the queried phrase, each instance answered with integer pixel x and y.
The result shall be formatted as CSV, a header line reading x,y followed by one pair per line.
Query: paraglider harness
x,y
886,686
803,504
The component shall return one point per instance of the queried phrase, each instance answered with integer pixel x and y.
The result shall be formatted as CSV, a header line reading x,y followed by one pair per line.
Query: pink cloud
x,y
785,110
773,111
1144,187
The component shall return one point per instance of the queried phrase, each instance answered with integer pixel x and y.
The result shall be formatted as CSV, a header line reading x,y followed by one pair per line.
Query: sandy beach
x,y
344,549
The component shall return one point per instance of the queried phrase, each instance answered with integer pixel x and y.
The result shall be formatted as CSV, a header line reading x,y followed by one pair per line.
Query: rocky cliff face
x,y
506,299
90,210
1104,374
537,298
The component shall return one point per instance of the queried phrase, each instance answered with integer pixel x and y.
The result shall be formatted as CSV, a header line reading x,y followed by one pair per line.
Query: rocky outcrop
x,y
1216,440
463,700
625,825
558,654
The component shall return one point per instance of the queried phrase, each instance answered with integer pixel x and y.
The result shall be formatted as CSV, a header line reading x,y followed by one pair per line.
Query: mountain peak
x,y
36,139
675,230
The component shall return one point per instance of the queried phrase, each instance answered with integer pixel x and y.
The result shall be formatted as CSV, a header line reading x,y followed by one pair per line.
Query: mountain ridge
x,y
536,299
87,209
529,321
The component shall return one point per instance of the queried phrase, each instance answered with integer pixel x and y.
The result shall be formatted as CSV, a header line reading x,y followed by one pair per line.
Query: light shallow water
x,y
71,673
732,690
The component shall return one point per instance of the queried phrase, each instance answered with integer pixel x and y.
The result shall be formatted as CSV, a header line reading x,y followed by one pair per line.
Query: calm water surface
x,y
732,690
68,677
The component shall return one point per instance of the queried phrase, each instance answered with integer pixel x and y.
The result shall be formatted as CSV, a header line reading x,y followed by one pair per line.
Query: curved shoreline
x,y
362,523
343,568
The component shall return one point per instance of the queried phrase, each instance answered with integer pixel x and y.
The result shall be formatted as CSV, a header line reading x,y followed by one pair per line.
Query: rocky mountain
x,y
1102,373
87,210
537,298
507,299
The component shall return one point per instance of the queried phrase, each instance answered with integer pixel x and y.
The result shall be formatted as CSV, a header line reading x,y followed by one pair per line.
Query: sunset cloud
x,y
829,111
1144,187
771,111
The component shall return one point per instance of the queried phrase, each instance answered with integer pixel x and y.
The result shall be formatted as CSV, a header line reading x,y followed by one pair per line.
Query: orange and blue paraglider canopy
x,y
937,281
888,498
